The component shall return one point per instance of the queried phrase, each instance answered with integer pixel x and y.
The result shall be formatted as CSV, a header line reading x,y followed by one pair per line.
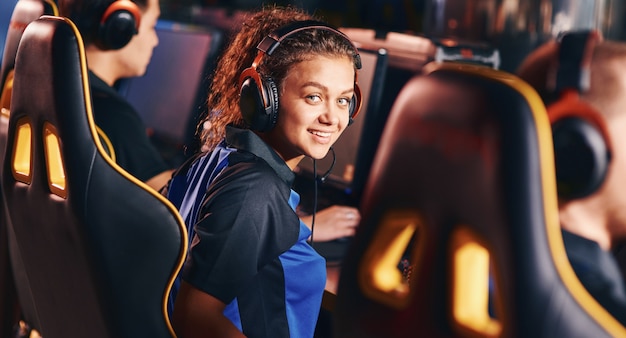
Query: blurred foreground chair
x,y
98,250
463,186
24,12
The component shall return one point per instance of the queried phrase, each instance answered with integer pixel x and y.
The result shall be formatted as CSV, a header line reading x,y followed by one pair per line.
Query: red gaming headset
x,y
118,24
582,147
259,96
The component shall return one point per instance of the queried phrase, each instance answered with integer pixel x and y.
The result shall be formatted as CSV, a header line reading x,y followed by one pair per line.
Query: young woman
x,y
284,89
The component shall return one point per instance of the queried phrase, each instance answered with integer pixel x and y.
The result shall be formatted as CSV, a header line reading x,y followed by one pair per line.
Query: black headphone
x,y
582,148
118,24
258,99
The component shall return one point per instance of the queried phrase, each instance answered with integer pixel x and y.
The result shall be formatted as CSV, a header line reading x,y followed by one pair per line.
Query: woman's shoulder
x,y
252,171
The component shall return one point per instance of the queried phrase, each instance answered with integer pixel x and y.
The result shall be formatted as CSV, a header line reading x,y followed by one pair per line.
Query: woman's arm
x,y
198,314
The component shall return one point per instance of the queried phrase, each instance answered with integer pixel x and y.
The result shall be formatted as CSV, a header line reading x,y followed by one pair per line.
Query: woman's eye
x,y
344,101
314,98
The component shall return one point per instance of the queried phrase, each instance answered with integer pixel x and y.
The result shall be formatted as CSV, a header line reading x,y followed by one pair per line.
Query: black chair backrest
x,y
99,248
462,195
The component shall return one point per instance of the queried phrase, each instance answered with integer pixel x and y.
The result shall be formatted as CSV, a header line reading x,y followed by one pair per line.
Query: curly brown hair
x,y
223,98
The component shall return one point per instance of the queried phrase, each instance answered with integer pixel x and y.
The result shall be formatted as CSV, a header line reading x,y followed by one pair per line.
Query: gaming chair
x,y
460,234
97,249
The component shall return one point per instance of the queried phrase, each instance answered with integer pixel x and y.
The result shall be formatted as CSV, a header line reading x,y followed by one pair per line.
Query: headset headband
x,y
574,60
269,44
573,74
122,5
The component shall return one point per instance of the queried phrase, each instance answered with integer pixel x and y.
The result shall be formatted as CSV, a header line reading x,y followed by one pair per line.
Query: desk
x,y
333,251
332,277
330,291
325,321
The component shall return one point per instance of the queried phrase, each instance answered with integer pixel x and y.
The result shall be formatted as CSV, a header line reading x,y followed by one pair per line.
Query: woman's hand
x,y
334,222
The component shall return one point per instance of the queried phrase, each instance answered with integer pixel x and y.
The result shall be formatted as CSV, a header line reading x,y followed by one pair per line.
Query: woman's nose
x,y
331,114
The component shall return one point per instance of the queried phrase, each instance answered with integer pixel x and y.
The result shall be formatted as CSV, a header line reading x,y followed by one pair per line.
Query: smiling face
x,y
313,110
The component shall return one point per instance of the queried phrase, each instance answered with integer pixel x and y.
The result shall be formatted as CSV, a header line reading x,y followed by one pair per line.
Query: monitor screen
x,y
171,94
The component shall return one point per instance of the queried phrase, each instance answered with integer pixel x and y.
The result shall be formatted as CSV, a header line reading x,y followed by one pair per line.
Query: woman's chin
x,y
318,155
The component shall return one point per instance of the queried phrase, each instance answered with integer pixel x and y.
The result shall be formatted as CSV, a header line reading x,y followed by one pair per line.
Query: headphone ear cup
x,y
582,153
118,25
255,113
355,104
351,109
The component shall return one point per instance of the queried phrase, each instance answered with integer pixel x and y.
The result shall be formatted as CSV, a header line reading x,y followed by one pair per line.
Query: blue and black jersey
x,y
248,246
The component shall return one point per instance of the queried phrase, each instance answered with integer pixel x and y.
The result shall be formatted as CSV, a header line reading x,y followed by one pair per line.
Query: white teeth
x,y
320,133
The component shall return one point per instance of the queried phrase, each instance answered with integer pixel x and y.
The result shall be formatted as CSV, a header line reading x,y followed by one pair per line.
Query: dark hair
x,y
86,15
223,99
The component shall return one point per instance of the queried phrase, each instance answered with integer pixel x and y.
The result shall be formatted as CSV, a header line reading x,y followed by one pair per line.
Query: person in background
x,y
595,224
119,37
285,88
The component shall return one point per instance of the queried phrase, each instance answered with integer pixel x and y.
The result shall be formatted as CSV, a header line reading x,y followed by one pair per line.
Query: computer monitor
x,y
171,94
406,54
351,167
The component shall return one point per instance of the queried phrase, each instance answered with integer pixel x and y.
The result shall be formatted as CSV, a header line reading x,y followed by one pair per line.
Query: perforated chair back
x,y
100,249
463,188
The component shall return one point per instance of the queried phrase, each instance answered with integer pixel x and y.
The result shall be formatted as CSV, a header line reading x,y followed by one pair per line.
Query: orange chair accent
x,y
463,186
98,250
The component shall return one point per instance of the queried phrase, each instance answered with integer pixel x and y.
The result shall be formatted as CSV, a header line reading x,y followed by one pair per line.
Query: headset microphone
x,y
330,169
321,180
